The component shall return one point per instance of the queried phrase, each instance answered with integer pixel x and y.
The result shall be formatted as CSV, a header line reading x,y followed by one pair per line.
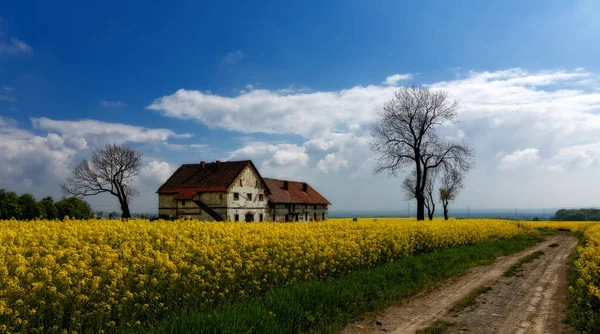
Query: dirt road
x,y
534,301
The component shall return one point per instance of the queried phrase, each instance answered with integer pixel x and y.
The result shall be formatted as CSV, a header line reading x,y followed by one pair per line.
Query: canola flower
x,y
586,290
576,226
95,275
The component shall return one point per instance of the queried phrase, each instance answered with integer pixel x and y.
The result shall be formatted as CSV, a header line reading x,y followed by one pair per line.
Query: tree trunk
x,y
420,207
125,209
431,212
445,212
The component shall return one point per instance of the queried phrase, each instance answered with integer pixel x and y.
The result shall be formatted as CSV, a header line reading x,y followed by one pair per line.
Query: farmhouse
x,y
235,191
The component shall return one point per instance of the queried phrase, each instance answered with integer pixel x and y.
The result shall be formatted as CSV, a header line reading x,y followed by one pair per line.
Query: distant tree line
x,y
26,207
577,215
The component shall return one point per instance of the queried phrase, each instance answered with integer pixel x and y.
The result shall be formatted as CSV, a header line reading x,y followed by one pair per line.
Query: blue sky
x,y
295,86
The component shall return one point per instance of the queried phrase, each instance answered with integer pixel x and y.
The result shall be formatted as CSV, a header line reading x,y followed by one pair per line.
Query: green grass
x,y
517,268
438,327
325,306
470,299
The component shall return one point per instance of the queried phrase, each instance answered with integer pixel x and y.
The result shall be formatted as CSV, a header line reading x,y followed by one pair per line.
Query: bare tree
x,y
112,170
408,185
406,136
452,183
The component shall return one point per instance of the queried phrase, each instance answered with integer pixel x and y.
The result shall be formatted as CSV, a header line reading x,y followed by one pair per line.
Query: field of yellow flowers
x,y
74,275
585,290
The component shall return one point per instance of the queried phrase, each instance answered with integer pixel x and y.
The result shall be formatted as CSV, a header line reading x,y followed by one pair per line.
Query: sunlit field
x,y
99,274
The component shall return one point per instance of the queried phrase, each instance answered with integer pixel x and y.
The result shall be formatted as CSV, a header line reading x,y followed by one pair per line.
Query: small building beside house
x,y
235,191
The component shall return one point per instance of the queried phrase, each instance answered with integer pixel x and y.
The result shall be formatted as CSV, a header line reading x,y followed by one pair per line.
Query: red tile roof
x,y
194,178
294,194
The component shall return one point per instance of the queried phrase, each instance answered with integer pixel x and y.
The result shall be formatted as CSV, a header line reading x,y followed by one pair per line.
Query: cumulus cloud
x,y
520,158
97,133
393,80
29,159
279,155
578,156
157,170
332,163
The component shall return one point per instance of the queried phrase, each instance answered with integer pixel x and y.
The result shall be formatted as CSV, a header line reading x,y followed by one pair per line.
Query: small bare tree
x,y
408,185
112,170
452,183
406,136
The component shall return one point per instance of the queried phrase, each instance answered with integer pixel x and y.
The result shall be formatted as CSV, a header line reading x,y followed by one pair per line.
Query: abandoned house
x,y
235,191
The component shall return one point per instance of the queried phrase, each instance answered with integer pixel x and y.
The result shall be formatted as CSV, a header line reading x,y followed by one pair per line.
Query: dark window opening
x,y
236,218
260,217
236,196
306,216
273,217
323,216
249,196
315,216
182,203
241,184
249,217
261,197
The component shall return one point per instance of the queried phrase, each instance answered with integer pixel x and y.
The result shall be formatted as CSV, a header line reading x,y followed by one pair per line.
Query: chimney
x,y
304,186
203,164
286,185
218,162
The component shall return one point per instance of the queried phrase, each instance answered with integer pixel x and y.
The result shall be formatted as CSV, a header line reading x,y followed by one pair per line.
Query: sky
x,y
296,86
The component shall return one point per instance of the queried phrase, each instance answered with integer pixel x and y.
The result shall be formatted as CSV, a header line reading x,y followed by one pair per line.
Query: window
x,y
249,196
274,217
236,218
260,217
182,203
323,216
261,197
256,184
236,197
241,184
315,206
315,216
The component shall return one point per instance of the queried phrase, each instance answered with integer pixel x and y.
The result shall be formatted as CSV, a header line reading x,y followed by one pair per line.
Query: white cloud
x,y
112,104
393,80
186,147
157,170
13,46
97,133
520,158
577,156
7,98
234,57
305,114
279,155
332,163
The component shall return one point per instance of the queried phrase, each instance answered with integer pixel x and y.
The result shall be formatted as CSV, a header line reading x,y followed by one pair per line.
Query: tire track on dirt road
x,y
534,303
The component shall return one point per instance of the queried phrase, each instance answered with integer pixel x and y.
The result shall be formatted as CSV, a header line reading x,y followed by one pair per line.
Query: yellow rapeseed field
x,y
563,225
587,287
74,275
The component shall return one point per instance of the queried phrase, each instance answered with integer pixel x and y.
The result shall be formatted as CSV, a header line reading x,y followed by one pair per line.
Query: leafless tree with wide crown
x,y
405,136
111,170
